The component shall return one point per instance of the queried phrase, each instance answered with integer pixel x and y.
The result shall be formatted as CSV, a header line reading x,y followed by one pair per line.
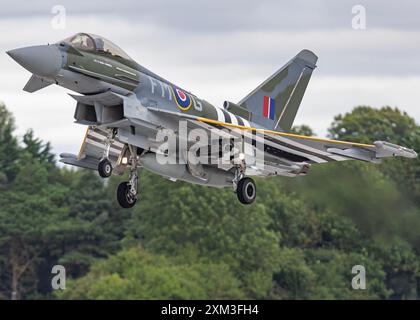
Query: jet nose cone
x,y
43,61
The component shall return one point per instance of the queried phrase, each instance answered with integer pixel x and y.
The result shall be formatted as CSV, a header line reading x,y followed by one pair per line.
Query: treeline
x,y
299,240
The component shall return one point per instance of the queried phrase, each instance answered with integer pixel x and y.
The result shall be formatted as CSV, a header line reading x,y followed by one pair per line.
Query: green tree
x,y
293,278
176,217
362,193
37,148
30,214
365,124
402,266
333,275
9,149
299,240
303,130
137,274
48,215
93,229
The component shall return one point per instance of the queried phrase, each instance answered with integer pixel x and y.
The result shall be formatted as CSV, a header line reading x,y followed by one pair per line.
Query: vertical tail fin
x,y
275,102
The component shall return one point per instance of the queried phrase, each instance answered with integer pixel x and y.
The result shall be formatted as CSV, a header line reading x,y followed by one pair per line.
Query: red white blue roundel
x,y
182,99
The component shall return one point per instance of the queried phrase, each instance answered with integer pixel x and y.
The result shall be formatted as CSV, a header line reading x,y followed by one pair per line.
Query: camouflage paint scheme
x,y
129,75
146,84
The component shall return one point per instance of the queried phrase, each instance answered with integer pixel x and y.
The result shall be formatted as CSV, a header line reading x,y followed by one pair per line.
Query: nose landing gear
x,y
105,166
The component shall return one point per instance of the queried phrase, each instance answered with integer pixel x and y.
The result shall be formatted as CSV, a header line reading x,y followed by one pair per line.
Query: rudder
x,y
274,104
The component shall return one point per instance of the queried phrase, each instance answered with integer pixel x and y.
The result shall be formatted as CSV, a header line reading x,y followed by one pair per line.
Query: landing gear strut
x,y
127,191
104,165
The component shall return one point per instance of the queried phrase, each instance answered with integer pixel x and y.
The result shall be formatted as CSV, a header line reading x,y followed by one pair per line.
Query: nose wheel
x,y
105,168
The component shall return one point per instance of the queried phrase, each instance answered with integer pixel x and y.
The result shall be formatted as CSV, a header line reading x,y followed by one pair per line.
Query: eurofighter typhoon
x,y
137,119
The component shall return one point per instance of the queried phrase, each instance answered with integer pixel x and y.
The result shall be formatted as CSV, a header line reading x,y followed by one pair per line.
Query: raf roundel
x,y
182,99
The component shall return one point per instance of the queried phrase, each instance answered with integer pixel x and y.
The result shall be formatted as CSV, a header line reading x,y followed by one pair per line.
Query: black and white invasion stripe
x,y
282,143
228,117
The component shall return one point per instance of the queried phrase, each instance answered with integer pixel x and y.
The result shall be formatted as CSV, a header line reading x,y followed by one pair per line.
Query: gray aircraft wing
x,y
290,154
283,153
323,150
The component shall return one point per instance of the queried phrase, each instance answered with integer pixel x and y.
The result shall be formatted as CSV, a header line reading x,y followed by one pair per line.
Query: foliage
x,y
137,274
365,124
303,130
9,150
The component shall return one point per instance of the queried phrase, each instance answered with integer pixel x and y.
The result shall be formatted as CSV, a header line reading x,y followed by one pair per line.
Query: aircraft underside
x,y
103,150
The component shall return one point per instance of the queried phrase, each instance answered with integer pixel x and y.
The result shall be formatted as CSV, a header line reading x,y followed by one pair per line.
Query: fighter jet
x,y
136,119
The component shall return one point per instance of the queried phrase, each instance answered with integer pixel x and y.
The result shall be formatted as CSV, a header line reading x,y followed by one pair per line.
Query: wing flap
x,y
355,153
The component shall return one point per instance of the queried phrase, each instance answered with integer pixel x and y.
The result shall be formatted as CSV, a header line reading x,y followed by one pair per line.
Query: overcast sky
x,y
221,50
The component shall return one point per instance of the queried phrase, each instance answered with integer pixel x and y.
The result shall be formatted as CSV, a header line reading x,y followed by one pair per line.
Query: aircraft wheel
x,y
105,168
124,196
246,190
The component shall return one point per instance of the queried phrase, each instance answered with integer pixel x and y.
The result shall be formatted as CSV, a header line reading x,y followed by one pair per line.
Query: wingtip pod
x,y
309,57
386,149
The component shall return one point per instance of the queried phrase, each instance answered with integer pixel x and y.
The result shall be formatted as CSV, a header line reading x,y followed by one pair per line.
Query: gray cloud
x,y
222,16
223,50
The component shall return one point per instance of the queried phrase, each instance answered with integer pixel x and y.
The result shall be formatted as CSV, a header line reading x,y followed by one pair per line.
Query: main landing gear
x,y
127,191
245,187
246,190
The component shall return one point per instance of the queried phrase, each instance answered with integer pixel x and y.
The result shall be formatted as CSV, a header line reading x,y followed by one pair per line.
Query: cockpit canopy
x,y
92,42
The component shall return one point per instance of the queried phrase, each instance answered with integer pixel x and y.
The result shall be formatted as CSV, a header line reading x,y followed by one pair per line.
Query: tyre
x,y
105,168
246,190
125,198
